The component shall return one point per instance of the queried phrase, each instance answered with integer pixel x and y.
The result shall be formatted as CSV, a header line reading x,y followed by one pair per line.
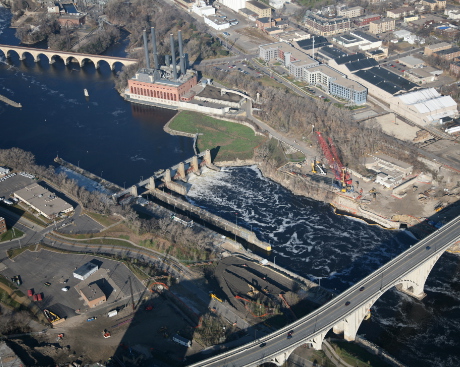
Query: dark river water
x,y
109,137
103,134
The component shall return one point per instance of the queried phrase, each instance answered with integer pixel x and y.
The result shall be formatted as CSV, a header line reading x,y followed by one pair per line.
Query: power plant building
x,y
166,84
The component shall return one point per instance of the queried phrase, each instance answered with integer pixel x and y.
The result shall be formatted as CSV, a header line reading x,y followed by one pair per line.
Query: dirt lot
x,y
256,35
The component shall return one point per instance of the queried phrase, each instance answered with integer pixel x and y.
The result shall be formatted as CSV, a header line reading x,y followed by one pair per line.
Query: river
x,y
109,137
103,134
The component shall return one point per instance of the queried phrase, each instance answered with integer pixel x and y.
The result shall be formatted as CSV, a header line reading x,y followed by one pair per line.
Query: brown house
x,y
93,295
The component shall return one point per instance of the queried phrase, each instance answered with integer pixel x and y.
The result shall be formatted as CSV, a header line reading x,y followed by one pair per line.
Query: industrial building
x,y
366,19
93,295
163,84
424,106
390,171
235,5
85,270
43,201
430,49
4,171
217,95
358,39
259,8
401,12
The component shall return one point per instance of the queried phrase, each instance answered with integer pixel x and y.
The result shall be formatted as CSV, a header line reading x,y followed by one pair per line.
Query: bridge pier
x,y
134,190
194,164
181,171
281,359
207,156
151,185
167,176
37,58
413,283
317,341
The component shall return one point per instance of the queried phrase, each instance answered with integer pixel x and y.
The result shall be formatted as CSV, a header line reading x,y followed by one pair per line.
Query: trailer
x,y
182,341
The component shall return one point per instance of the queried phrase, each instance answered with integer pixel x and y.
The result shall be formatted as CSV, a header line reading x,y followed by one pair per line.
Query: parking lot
x,y
38,268
17,182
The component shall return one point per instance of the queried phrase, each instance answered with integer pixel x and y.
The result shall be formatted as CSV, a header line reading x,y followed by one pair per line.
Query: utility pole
x,y
132,296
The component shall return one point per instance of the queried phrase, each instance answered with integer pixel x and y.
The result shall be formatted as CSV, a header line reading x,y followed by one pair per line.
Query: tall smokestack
x,y
181,54
173,54
146,50
155,51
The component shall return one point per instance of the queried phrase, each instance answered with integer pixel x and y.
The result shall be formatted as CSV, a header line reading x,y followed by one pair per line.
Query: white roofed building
x,y
234,4
424,106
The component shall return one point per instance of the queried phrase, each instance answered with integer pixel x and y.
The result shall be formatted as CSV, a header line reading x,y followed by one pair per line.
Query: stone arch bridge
x,y
68,57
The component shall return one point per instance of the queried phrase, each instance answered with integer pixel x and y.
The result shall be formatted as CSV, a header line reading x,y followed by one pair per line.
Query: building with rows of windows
x,y
305,68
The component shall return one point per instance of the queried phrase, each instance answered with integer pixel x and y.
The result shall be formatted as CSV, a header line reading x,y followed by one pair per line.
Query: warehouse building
x,y
93,295
43,201
85,270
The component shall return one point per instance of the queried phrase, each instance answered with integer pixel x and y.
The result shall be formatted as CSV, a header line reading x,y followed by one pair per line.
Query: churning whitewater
x,y
308,238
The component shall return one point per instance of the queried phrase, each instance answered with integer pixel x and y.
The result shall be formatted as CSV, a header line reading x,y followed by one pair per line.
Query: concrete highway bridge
x,y
68,57
343,314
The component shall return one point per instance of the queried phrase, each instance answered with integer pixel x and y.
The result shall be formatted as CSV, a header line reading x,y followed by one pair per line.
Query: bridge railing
x,y
341,297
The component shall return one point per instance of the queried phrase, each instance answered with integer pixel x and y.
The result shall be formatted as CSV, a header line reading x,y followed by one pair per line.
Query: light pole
x,y
124,183
274,258
142,177
236,223
102,173
78,164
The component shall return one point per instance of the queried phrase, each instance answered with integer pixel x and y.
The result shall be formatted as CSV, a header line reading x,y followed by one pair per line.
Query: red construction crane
x,y
330,152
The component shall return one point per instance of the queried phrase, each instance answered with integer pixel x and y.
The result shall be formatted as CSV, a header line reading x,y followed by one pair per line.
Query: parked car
x,y
30,292
47,284
39,297
89,319
35,297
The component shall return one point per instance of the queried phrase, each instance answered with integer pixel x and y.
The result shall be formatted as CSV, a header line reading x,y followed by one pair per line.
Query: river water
x,y
109,137
103,134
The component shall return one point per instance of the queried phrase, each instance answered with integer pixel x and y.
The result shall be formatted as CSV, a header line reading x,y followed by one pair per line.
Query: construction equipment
x,y
342,177
215,297
52,317
252,291
106,334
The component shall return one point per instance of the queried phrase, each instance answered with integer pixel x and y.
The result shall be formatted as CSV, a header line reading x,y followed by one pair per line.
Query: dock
x,y
10,102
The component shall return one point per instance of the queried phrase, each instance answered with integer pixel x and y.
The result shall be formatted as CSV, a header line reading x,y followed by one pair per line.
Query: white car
x,y
65,289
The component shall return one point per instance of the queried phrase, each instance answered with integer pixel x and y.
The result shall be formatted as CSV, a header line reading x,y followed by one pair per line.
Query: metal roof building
x,y
85,270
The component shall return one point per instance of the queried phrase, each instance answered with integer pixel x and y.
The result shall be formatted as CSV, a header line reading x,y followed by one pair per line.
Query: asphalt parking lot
x,y
12,184
37,268
79,224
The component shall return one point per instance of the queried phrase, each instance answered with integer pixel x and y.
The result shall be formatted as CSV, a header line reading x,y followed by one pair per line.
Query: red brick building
x,y
361,21
162,89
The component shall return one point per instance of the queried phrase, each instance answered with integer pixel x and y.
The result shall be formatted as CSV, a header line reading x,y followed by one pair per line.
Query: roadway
x,y
323,319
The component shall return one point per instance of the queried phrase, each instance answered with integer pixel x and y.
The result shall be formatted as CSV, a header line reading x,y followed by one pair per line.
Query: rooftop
x,y
85,268
258,4
344,59
365,63
307,44
411,60
42,199
214,93
438,45
332,52
9,357
449,51
384,20
364,35
92,292
386,80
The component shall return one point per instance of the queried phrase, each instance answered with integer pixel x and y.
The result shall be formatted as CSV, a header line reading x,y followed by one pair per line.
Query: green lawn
x,y
102,219
10,234
227,140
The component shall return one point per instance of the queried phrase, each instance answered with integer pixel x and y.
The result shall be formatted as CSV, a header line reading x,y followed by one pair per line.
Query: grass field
x,y
227,140
10,234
